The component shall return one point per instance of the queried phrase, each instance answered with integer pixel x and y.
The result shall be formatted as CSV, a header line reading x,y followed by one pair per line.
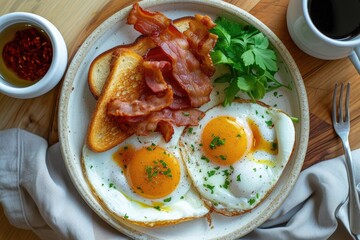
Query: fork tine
x,y
347,111
334,104
340,109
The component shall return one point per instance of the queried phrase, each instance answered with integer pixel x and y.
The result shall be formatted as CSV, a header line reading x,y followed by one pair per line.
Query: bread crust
x,y
101,66
104,131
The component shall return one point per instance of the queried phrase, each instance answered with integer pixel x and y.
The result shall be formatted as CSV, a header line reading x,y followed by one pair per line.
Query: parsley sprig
x,y
216,142
153,171
251,61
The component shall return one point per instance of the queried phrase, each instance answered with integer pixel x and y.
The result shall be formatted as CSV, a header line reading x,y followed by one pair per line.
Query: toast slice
x,y
101,65
125,81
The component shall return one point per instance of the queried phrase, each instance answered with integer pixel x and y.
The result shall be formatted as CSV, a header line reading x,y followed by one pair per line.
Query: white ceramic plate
x,y
77,104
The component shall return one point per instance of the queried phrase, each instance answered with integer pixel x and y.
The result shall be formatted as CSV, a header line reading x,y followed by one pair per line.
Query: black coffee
x,y
338,19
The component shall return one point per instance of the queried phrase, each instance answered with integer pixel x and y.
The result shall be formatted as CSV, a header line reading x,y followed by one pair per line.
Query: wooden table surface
x,y
76,19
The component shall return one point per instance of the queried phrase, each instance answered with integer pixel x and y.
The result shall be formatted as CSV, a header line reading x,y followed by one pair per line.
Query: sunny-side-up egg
x,y
237,153
144,181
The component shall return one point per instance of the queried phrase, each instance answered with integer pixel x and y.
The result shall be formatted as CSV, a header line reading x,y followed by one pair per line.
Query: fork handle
x,y
354,205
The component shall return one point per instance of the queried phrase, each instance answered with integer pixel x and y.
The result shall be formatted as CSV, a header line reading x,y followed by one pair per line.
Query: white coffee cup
x,y
310,40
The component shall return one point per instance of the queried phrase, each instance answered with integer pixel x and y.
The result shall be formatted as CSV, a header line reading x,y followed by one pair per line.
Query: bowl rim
x,y
59,59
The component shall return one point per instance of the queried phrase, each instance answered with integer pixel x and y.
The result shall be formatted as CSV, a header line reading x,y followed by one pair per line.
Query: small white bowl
x,y
59,59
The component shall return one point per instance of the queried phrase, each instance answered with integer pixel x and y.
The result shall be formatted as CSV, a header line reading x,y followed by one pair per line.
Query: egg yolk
x,y
259,143
224,141
152,172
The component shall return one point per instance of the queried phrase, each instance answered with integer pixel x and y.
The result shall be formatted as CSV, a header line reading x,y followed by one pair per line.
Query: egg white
x,y
232,190
111,186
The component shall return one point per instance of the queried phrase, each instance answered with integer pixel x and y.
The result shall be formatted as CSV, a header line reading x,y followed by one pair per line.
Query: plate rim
x,y
78,58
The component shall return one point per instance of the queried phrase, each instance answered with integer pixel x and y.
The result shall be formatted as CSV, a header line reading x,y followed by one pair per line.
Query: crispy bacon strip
x,y
180,103
186,68
186,117
135,108
157,54
153,75
147,22
202,41
161,121
158,78
160,96
166,129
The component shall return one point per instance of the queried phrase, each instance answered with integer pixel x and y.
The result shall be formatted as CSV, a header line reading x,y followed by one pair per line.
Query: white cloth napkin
x,y
36,193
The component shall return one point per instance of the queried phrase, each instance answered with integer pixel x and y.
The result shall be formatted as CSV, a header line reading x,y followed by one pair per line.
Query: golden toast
x,y
104,132
101,66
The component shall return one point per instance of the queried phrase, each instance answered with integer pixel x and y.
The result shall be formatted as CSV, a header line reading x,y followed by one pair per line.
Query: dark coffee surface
x,y
338,19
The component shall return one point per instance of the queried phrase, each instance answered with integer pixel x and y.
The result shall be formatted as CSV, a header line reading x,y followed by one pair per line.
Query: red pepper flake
x,y
29,54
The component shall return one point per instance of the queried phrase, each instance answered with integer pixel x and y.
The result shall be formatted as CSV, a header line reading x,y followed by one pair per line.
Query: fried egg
x,y
144,181
237,153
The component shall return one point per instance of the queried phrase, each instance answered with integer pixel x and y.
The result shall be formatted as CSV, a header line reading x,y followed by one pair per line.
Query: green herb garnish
x,y
211,173
238,178
210,187
205,159
216,142
251,201
151,172
251,60
269,123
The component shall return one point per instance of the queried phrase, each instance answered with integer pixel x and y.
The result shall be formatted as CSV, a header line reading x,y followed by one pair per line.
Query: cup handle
x,y
355,58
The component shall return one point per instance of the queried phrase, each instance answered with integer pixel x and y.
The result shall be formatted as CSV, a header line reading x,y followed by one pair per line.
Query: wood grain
x,y
75,19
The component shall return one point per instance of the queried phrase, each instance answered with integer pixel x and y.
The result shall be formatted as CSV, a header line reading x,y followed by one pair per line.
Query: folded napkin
x,y
37,193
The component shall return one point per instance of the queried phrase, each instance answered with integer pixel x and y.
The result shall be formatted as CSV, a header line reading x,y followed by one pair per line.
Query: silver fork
x,y
342,128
